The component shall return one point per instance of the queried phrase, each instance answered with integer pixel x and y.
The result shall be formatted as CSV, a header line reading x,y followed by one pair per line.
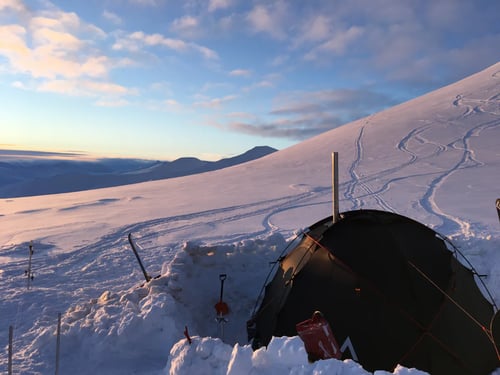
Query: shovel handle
x,y
222,277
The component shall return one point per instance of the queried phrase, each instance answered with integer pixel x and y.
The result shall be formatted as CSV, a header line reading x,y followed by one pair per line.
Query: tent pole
x,y
335,187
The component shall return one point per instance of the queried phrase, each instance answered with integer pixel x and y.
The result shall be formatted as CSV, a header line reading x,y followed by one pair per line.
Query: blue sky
x,y
162,79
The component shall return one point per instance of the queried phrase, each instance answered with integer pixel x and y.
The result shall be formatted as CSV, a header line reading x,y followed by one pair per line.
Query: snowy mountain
x,y
434,159
28,174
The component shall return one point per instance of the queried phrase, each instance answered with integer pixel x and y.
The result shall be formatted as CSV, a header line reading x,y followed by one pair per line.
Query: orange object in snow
x,y
318,338
222,308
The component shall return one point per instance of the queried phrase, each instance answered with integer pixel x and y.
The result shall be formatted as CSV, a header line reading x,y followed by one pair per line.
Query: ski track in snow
x,y
363,182
354,182
269,208
467,159
403,145
358,182
99,202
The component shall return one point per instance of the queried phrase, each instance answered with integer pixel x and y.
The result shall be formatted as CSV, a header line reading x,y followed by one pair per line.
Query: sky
x,y
162,79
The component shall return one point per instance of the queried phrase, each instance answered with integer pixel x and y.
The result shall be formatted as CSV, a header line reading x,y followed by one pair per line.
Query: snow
x,y
434,159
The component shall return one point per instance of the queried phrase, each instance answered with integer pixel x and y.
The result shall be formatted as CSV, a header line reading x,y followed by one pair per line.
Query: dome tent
x,y
390,288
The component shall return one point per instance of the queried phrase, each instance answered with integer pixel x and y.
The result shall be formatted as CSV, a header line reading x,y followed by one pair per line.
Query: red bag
x,y
318,338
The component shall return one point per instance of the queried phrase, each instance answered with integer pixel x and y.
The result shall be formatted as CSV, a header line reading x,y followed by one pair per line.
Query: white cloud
x,y
137,40
299,115
57,53
241,115
269,19
187,26
405,41
57,40
339,100
208,86
280,60
296,129
172,103
240,73
213,5
112,17
227,23
16,5
214,103
207,53
185,22
336,44
18,85
315,29
120,102
162,87
12,41
259,85
145,2
79,87
52,44
269,80
56,20
69,22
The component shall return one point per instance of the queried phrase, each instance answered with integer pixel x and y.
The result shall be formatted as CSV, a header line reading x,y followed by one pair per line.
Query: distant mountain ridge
x,y
21,178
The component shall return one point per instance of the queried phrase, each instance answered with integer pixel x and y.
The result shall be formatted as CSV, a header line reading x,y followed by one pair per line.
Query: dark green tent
x,y
392,291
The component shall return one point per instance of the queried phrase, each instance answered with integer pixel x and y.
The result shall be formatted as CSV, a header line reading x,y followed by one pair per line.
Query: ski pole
x,y
28,272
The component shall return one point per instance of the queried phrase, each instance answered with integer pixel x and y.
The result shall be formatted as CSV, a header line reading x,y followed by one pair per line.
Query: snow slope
x,y
435,159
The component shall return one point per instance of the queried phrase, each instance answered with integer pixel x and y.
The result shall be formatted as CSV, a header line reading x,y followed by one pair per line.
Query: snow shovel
x,y
221,307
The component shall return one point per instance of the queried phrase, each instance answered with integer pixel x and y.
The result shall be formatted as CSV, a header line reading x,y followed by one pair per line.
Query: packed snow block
x,y
204,355
281,355
241,360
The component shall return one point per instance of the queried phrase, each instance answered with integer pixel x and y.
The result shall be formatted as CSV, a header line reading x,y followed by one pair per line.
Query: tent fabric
x,y
390,287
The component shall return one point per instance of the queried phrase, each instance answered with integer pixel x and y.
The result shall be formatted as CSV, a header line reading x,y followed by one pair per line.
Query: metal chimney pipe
x,y
335,187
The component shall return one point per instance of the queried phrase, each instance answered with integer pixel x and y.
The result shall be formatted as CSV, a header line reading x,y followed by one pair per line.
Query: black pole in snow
x,y
11,335
58,342
146,276
29,274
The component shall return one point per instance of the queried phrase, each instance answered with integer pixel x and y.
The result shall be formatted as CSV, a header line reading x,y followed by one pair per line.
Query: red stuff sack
x,y
318,338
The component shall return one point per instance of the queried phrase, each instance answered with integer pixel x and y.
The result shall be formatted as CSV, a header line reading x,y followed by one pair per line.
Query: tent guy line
x,y
487,331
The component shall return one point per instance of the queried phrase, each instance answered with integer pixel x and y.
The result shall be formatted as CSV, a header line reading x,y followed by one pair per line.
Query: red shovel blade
x,y
222,308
